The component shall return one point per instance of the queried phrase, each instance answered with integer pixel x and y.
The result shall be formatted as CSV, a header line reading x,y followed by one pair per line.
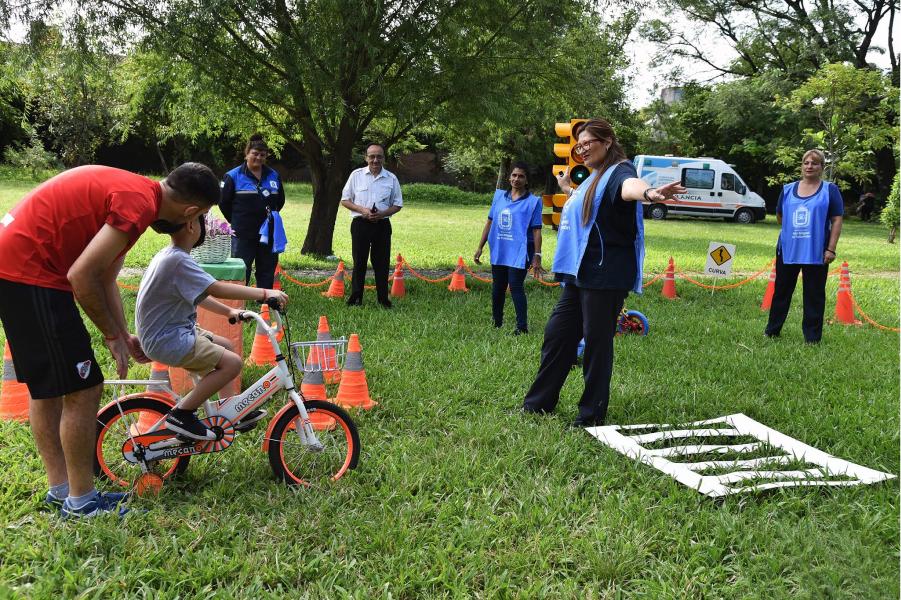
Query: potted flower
x,y
216,248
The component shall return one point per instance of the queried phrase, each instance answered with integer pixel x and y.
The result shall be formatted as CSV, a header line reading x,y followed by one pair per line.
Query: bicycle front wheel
x,y
131,417
296,462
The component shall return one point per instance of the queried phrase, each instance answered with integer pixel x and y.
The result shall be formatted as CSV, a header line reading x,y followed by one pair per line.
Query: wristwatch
x,y
645,193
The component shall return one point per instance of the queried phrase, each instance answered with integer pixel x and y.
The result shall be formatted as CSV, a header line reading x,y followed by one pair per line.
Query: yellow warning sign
x,y
720,255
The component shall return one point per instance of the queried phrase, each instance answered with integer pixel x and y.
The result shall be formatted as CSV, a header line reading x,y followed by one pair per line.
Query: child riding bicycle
x,y
166,322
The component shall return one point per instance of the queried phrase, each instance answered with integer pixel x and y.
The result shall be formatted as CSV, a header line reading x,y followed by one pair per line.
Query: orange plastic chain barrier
x,y
302,284
477,277
654,279
125,286
730,285
422,277
868,319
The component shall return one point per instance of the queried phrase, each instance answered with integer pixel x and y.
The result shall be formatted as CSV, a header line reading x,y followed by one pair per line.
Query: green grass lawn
x,y
458,495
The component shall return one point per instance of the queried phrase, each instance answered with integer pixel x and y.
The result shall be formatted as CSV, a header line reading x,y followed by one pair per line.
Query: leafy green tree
x,y
852,114
783,35
320,73
579,77
69,86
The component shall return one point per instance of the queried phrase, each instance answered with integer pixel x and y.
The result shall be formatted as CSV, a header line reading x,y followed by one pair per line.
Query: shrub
x,y
892,211
443,194
32,158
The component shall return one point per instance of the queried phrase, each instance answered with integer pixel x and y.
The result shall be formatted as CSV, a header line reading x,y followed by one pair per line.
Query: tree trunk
x,y
502,172
329,174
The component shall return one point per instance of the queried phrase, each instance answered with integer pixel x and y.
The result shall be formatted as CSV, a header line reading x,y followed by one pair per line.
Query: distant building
x,y
671,95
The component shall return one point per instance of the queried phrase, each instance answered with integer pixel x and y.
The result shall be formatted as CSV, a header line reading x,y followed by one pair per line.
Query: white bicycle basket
x,y
311,357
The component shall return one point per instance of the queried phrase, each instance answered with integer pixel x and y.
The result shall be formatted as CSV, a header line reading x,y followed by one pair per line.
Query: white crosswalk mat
x,y
742,456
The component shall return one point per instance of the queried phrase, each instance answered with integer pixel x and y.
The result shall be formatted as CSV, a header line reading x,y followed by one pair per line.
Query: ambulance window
x,y
698,178
727,182
740,187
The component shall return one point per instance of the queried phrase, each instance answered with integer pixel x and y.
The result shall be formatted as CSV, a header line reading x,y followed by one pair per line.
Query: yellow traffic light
x,y
578,172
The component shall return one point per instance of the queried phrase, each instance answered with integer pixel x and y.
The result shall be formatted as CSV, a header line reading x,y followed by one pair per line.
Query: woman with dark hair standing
x,y
599,258
810,213
513,232
250,193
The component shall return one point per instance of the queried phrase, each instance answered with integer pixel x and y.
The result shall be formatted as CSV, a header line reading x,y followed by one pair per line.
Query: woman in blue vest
x,y
250,192
810,212
513,232
599,257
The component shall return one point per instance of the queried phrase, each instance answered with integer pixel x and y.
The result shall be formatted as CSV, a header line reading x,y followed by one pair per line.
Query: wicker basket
x,y
216,249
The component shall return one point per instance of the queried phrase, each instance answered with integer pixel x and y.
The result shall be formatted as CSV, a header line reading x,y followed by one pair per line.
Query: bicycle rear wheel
x,y
296,463
137,416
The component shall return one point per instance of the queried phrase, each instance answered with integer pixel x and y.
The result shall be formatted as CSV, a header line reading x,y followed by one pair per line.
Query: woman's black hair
x,y
521,164
256,142
202,238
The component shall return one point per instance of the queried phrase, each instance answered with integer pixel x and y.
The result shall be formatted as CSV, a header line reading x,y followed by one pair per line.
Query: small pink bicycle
x,y
307,441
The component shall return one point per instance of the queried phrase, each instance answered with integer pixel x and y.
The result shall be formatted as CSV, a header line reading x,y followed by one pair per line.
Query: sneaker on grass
x,y
100,504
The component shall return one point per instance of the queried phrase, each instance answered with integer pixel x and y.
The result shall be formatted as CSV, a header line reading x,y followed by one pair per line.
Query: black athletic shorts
x,y
50,345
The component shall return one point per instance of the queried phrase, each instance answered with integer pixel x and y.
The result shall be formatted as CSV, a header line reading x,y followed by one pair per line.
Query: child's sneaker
x,y
186,424
100,504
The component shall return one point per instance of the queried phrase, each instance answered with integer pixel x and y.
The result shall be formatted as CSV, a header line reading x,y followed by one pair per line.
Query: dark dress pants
x,y
587,313
370,237
814,298
501,277
251,251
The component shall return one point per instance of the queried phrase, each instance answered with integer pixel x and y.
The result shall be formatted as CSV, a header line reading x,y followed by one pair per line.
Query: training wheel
x,y
148,484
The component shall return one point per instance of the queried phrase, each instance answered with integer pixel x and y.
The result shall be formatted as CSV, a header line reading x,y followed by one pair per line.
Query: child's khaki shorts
x,y
205,355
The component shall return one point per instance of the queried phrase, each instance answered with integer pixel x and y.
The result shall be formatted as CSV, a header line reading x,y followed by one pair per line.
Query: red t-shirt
x,y
43,235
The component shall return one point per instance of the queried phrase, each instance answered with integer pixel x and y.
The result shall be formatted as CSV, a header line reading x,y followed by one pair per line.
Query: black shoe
x,y
355,301
186,424
770,334
386,303
581,423
250,421
519,331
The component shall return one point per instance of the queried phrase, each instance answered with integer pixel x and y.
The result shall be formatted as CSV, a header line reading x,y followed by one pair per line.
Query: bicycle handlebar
x,y
249,315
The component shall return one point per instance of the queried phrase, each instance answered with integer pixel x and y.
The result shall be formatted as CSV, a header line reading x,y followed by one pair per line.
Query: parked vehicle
x,y
714,189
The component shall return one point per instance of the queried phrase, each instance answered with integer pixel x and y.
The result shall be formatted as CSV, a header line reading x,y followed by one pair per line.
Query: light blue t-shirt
x,y
512,222
166,309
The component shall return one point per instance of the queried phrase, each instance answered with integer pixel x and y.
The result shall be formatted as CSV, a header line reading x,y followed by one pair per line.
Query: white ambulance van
x,y
714,189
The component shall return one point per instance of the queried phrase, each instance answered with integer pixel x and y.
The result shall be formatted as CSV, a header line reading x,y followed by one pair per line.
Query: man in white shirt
x,y
372,194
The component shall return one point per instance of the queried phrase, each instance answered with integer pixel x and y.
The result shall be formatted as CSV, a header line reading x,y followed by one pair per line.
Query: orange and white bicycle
x,y
308,441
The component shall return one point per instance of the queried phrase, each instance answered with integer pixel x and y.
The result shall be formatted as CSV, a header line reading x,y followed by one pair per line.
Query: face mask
x,y
202,233
164,226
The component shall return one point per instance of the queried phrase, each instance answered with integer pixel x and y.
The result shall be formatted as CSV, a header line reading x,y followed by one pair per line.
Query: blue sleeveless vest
x,y
572,235
803,235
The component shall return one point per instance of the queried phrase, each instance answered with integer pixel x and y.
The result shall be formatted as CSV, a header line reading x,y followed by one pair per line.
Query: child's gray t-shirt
x,y
165,313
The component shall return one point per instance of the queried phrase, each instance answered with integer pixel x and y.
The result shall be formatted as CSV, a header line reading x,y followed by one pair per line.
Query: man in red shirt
x,y
66,241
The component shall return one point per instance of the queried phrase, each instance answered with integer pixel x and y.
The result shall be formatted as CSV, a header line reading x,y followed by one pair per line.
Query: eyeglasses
x,y
258,153
375,156
583,147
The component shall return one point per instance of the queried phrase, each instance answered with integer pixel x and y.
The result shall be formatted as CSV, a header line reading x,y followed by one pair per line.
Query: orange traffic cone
x,y
844,308
354,391
770,288
277,282
160,372
261,353
14,396
332,375
397,286
458,279
669,283
336,287
313,388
